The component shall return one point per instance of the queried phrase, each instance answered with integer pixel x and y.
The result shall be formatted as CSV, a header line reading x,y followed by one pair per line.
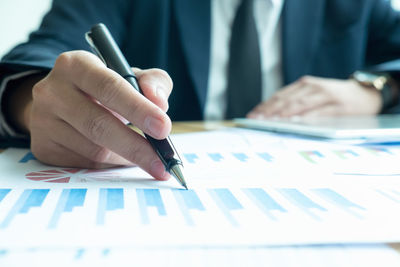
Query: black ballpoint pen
x,y
103,44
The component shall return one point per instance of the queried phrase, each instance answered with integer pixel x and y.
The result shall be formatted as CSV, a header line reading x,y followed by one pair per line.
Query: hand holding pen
x,y
70,122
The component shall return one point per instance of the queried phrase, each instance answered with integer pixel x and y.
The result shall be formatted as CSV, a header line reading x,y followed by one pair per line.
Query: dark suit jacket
x,y
327,38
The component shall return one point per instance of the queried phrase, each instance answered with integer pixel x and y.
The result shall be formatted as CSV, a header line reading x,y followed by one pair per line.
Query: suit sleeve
x,y
62,29
383,49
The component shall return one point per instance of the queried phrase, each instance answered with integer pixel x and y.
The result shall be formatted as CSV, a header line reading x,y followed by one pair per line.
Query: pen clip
x,y
89,40
175,151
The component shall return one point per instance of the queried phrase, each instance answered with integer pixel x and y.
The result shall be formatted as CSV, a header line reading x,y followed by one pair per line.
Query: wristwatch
x,y
379,81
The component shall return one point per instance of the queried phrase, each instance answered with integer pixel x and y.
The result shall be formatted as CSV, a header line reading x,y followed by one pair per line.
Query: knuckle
x,y
306,79
107,89
137,110
160,75
39,89
71,61
64,60
99,154
276,97
134,153
301,101
331,94
42,93
96,128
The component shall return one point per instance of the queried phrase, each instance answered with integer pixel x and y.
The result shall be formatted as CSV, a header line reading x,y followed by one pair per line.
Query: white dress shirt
x,y
267,14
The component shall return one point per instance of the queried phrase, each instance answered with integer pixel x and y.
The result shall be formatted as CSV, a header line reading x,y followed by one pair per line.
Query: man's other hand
x,y
312,96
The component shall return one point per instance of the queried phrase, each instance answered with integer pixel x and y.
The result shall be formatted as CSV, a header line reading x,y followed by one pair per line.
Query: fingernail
x,y
160,93
158,170
260,116
153,126
256,116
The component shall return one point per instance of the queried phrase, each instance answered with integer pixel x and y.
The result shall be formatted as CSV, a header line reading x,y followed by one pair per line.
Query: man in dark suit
x,y
74,117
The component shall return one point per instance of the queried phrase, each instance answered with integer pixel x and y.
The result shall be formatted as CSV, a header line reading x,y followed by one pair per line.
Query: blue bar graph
x,y
217,157
109,199
377,151
338,200
317,153
351,152
29,198
69,199
301,201
79,254
241,156
265,156
149,198
188,200
226,202
393,198
191,157
106,252
28,156
3,252
4,193
263,201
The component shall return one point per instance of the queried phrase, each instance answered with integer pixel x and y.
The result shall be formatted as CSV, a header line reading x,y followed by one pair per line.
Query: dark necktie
x,y
244,69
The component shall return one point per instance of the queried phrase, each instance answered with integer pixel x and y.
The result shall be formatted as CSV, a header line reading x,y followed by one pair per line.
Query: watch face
x,y
371,79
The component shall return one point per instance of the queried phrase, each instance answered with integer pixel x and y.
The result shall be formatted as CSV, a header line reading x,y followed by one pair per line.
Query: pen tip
x,y
176,171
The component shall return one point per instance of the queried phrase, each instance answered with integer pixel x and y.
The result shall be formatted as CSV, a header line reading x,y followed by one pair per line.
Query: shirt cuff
x,y
6,130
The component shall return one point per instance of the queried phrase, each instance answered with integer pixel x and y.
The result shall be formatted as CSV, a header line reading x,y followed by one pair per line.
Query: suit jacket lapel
x,y
194,19
300,32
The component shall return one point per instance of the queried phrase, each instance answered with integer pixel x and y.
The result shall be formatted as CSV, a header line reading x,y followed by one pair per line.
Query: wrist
x,y
381,83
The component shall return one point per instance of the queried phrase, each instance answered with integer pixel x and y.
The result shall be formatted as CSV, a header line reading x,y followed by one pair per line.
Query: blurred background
x,y
19,17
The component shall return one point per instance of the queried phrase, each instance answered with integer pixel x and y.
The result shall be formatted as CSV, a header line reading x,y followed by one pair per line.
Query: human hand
x,y
76,111
312,96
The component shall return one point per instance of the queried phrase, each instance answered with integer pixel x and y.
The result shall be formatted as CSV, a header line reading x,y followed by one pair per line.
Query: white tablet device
x,y
383,126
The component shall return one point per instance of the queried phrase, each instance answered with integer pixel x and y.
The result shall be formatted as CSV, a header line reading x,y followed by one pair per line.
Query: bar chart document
x,y
245,189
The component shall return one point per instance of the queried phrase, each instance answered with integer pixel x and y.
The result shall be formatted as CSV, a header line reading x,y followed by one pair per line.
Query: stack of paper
x,y
247,189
